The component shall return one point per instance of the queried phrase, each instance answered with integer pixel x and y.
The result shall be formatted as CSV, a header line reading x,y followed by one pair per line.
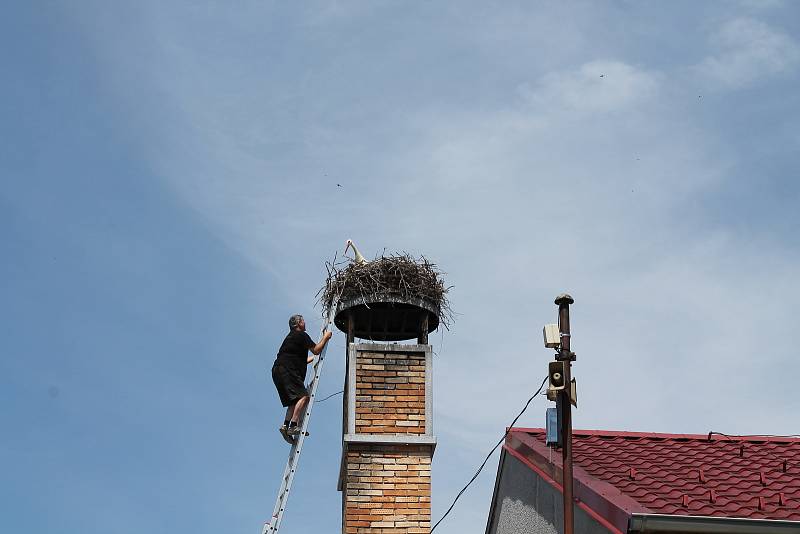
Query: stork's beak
x,y
347,245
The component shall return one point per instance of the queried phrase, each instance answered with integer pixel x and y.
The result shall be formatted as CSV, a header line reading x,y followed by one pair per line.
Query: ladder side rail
x,y
282,493
294,454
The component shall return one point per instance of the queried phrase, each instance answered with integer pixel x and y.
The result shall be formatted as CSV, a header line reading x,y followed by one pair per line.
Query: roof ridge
x,y
709,437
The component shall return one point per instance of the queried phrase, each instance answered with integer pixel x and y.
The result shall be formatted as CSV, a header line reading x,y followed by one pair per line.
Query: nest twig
x,y
395,275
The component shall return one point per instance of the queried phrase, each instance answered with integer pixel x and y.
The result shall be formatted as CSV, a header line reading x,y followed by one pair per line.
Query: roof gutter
x,y
664,524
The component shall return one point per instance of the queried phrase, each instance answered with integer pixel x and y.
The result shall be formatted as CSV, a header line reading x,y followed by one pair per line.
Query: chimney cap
x,y
387,317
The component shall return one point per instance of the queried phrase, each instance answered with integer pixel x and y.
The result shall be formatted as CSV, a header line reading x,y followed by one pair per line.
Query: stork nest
x,y
394,275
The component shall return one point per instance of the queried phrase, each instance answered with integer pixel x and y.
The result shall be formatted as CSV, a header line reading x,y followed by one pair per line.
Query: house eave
x,y
665,524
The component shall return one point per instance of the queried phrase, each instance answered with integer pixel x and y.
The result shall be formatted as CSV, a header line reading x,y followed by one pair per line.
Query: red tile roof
x,y
620,473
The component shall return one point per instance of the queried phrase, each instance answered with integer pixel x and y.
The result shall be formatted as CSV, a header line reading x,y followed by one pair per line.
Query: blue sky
x,y
168,197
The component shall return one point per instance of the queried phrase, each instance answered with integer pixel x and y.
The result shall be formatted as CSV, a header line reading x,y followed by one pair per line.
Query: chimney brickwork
x,y
388,442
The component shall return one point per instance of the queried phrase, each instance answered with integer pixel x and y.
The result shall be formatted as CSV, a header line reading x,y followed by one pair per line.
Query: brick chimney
x,y
388,443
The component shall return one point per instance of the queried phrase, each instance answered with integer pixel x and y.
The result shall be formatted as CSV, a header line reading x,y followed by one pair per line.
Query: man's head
x,y
296,322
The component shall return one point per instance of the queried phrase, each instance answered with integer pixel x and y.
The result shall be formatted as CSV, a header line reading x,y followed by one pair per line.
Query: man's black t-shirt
x,y
294,352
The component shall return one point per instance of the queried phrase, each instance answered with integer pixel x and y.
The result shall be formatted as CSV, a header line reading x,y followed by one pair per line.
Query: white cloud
x,y
597,86
749,50
761,4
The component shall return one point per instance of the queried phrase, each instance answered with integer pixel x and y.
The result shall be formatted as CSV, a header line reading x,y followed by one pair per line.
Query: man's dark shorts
x,y
289,384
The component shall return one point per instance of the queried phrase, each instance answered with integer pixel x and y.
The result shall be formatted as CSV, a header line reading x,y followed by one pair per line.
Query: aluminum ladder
x,y
297,446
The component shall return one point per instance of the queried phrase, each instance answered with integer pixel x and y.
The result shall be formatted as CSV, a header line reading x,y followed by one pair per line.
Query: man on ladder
x,y
289,373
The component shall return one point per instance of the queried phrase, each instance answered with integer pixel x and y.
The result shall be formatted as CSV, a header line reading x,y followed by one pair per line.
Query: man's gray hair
x,y
294,321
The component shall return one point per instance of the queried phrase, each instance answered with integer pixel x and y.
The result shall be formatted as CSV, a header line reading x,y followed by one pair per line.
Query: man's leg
x,y
297,413
289,412
299,406
284,429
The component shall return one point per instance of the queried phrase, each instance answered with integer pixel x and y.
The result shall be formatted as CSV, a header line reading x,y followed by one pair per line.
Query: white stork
x,y
359,258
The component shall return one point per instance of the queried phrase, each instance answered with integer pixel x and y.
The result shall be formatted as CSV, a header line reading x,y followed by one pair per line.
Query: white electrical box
x,y
552,337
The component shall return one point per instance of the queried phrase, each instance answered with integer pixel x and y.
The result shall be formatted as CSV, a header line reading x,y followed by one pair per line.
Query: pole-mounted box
x,y
553,427
552,337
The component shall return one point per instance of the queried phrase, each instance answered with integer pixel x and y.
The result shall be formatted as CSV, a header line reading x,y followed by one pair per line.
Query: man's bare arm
x,y
317,349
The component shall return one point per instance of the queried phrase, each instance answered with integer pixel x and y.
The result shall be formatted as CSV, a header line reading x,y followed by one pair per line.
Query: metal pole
x,y
350,338
422,338
351,328
565,355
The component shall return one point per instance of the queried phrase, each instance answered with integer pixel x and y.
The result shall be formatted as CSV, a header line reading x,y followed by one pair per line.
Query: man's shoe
x,y
284,430
294,431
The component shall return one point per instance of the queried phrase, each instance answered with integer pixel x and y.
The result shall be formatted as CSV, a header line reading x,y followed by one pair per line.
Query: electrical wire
x,y
731,436
331,395
489,455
